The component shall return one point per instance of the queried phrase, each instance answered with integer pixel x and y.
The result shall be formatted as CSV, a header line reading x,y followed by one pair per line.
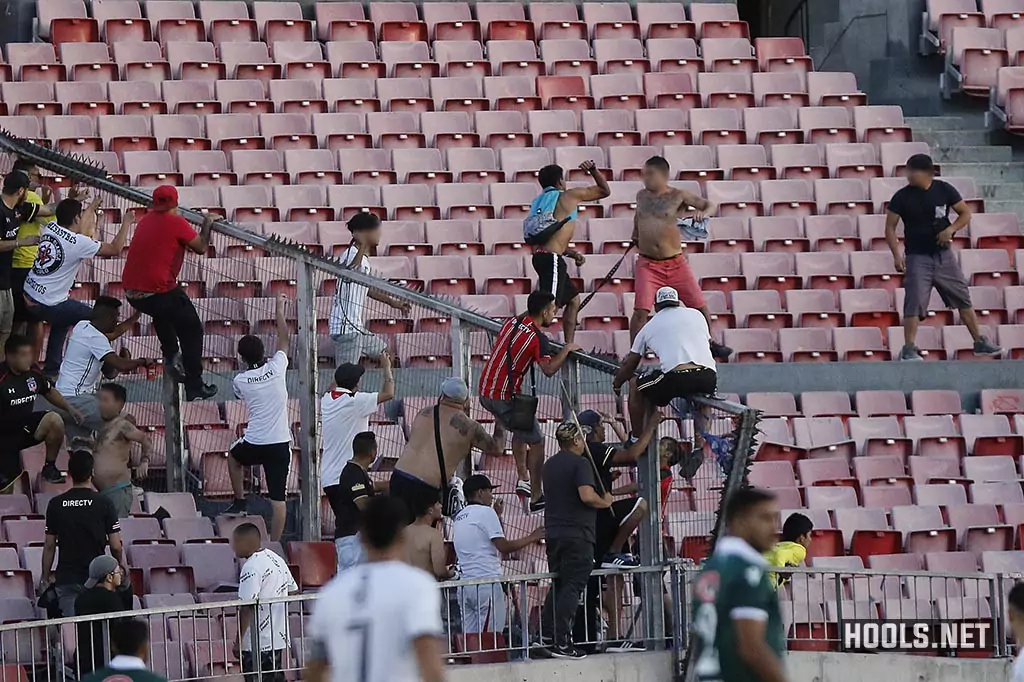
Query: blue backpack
x,y
540,226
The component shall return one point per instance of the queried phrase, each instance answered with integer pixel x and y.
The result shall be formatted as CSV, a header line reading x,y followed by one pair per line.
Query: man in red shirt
x,y
150,281
520,345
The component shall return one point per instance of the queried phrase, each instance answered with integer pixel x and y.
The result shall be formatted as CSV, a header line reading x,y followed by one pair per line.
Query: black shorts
x,y
18,435
18,277
417,496
608,523
661,388
275,459
553,276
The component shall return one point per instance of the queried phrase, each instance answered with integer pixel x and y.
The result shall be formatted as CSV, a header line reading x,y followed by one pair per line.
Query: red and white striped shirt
x,y
527,344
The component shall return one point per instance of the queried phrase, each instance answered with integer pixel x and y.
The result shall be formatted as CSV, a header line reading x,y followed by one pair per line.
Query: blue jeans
x,y
61,317
350,552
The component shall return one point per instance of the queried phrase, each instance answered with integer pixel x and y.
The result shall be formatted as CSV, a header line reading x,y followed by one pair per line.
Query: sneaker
x,y
238,507
566,651
624,560
985,347
175,368
720,352
538,506
51,473
524,488
200,392
911,353
625,647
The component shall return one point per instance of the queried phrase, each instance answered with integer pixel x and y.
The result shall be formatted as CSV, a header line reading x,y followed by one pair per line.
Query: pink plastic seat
x,y
860,344
834,89
461,59
505,21
760,310
869,308
881,403
847,196
675,55
782,89
515,58
726,90
827,124
405,94
395,130
728,55
174,20
772,475
978,54
773,404
878,469
877,124
935,435
923,529
990,434
925,469
408,59
398,22
610,20
451,21
190,97
281,21
618,91
857,160
798,162
753,345
788,201
772,125
831,497
714,20
880,436
620,55
558,20
935,402
943,16
814,308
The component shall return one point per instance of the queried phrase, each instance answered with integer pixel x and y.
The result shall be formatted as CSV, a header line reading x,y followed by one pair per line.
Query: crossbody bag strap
x,y
508,357
440,451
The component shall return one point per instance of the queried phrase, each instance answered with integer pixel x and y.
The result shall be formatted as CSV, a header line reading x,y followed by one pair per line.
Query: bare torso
x,y
418,539
419,458
113,452
656,214
560,242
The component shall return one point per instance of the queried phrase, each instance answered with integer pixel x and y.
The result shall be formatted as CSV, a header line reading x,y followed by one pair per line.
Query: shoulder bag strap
x,y
440,451
508,357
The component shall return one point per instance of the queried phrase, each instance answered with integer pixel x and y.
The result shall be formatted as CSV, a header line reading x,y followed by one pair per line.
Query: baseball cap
x,y
455,388
475,483
666,296
100,568
348,375
165,198
921,162
589,418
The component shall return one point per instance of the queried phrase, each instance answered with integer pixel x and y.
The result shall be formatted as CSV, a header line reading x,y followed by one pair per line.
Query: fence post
x,y
308,391
174,437
570,378
462,367
651,547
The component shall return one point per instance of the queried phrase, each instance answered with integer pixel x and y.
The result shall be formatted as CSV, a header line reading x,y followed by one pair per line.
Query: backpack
x,y
540,226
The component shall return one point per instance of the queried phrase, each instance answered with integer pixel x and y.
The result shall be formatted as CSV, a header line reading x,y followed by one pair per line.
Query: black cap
x,y
921,162
476,483
348,375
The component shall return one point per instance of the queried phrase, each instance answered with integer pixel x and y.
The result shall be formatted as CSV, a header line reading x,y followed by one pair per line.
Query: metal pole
x,y
571,378
462,367
651,548
174,437
308,392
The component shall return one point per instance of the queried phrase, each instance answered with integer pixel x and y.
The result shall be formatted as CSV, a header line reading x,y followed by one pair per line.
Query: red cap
x,y
165,198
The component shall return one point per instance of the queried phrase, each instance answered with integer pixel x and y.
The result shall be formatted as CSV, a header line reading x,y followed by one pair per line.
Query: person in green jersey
x,y
129,641
737,622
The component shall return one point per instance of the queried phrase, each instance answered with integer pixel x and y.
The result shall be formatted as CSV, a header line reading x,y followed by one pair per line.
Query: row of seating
x,y
883,403
942,17
881,471
169,20
199,60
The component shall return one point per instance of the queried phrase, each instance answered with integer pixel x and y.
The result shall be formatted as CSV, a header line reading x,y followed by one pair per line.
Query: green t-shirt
x,y
108,674
734,582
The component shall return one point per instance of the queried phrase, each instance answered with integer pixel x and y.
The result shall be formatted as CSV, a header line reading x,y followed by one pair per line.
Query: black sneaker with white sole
x,y
200,392
566,651
538,506
51,473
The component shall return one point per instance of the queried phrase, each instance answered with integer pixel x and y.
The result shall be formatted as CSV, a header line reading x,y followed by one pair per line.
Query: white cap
x,y
666,296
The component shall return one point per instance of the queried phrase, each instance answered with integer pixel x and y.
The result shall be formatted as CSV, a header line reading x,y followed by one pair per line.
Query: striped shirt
x,y
527,345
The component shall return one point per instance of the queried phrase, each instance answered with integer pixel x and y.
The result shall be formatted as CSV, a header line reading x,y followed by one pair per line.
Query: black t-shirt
x,y
92,646
925,213
354,484
604,455
18,393
81,519
565,515
10,221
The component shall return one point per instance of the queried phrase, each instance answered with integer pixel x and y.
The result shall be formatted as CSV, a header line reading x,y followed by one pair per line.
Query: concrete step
x,y
1003,191
981,154
917,123
952,138
1005,206
995,172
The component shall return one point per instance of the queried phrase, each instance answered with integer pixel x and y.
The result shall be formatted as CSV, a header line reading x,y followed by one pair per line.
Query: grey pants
x,y
66,596
940,271
122,497
88,405
354,346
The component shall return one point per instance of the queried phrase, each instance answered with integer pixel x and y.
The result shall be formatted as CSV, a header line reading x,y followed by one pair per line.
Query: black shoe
x,y
625,646
720,352
200,392
174,367
538,506
566,651
51,473
238,507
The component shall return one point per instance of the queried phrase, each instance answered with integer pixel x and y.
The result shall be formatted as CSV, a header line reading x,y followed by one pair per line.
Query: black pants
x,y
175,320
571,560
270,666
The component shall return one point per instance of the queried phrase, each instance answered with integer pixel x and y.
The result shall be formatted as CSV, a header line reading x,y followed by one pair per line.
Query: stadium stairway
x,y
962,148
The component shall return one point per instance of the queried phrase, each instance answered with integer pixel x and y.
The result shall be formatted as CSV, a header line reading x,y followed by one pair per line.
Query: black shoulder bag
x,y
523,414
452,500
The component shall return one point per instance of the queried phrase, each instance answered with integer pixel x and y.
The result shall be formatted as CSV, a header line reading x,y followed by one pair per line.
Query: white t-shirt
x,y
343,414
677,335
265,394
1018,668
366,620
473,533
265,575
83,360
350,301
57,260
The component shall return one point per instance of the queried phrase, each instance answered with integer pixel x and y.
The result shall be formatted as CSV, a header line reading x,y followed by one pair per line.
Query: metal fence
x,y
193,641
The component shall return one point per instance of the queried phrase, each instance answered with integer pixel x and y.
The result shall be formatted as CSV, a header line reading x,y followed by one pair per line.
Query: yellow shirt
x,y
25,256
785,554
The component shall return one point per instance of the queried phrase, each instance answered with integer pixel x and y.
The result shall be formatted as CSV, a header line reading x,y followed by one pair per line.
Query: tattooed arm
x,y
479,437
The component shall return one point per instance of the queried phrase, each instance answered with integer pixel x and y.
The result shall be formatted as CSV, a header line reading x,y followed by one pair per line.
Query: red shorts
x,y
650,275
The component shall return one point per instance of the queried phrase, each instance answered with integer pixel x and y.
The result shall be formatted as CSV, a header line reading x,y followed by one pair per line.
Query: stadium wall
x,y
804,666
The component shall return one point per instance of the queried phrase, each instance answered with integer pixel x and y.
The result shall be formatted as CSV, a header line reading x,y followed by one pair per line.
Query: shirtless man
x,y
549,256
112,475
424,544
417,480
661,262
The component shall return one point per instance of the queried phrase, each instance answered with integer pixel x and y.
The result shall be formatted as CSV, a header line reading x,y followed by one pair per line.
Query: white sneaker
x,y
524,488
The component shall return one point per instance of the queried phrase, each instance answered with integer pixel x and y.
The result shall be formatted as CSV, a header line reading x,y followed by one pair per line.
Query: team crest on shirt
x,y
50,256
753,575
31,383
707,586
